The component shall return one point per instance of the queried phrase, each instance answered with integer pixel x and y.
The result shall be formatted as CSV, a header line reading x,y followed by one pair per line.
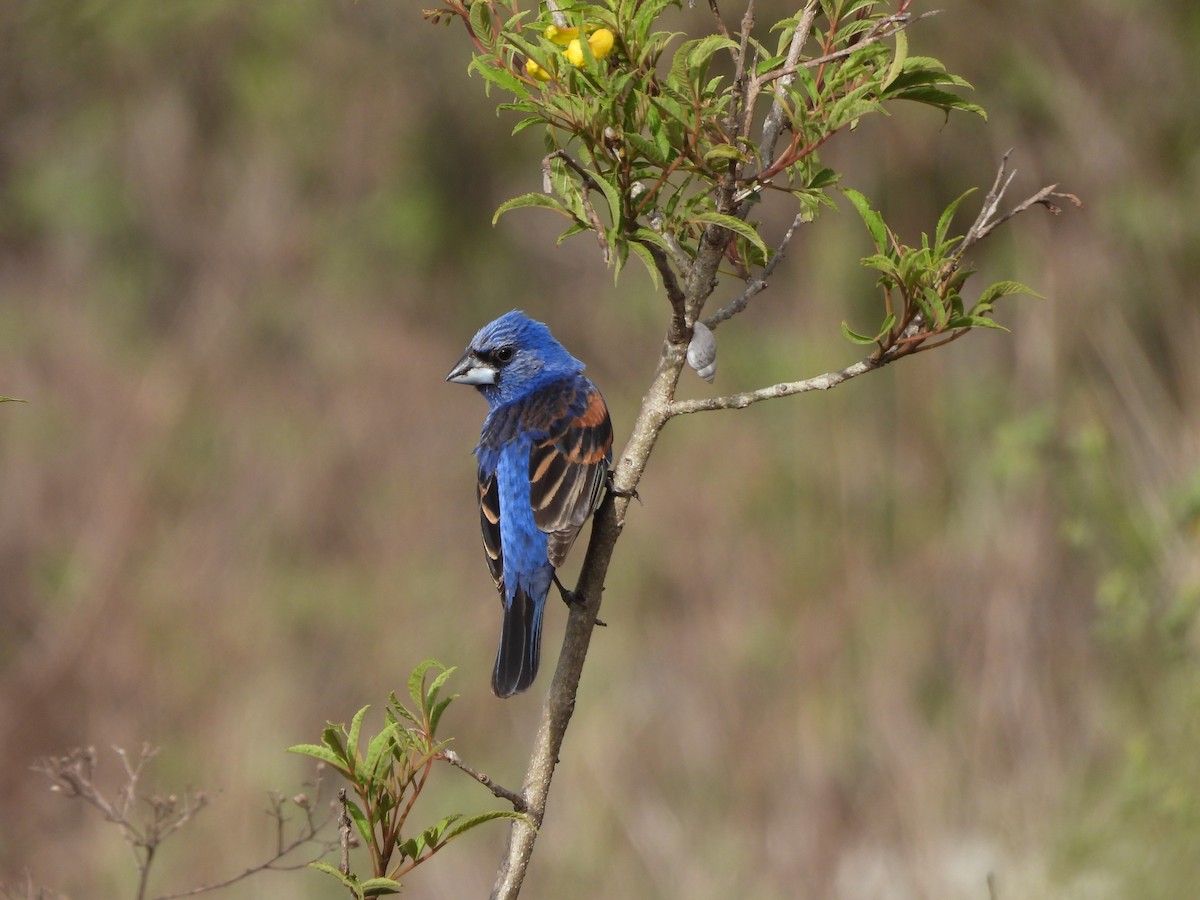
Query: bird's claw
x,y
614,491
573,600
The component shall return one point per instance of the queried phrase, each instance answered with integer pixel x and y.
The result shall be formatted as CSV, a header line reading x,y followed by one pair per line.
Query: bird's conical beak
x,y
472,370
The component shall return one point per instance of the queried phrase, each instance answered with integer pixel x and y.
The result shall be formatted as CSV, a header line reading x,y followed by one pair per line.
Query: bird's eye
x,y
503,355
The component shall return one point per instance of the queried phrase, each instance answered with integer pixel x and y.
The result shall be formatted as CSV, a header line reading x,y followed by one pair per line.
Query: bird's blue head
x,y
510,356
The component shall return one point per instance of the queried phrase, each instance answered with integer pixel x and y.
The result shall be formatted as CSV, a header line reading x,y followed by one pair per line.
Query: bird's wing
x,y
568,465
489,522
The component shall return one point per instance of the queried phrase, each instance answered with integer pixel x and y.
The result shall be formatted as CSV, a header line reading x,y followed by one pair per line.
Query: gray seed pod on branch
x,y
702,352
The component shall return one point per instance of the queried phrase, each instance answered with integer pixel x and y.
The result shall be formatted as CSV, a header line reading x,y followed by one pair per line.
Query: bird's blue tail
x,y
520,645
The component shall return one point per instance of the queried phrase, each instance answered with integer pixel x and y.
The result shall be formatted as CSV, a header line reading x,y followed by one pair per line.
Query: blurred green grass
x,y
873,643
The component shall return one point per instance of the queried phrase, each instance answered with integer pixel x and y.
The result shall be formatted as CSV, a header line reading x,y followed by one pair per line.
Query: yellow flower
x,y
600,41
536,71
561,36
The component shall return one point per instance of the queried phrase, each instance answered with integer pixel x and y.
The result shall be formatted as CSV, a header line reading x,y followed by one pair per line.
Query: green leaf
x,y
658,134
471,822
528,122
943,225
974,322
332,739
416,681
648,149
1005,289
822,179
348,881
376,748
412,848
611,197
360,820
935,303
502,78
854,336
355,729
872,219
737,226
435,714
316,751
699,52
376,887
643,254
12,400
897,65
938,98
532,199
724,152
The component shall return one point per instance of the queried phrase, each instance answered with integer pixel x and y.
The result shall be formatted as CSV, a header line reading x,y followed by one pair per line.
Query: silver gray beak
x,y
472,370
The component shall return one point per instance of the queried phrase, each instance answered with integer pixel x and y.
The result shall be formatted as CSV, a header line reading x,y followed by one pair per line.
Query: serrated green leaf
x,y
573,230
1006,289
377,887
331,736
479,20
974,322
854,336
355,729
324,754
736,225
724,152
647,259
377,747
935,303
936,97
435,714
544,201
528,122
943,225
611,197
435,686
411,848
399,710
473,821
502,78
647,149
823,178
699,52
658,134
348,881
872,219
897,65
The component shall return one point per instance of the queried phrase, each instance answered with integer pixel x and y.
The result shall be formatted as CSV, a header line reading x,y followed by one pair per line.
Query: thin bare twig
x,y
498,790
986,222
721,29
145,821
756,285
344,830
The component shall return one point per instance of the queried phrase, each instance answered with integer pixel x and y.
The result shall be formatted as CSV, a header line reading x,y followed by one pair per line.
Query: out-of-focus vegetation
x,y
875,643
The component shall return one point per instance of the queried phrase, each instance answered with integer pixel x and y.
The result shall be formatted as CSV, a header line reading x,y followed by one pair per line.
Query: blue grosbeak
x,y
543,457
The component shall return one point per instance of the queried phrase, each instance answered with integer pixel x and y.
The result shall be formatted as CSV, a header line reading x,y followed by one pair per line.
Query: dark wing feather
x,y
489,522
568,467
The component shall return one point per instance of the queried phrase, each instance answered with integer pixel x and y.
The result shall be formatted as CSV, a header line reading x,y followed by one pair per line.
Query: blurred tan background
x,y
939,622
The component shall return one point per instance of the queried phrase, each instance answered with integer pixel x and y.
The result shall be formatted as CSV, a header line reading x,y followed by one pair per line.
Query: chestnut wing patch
x,y
567,471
